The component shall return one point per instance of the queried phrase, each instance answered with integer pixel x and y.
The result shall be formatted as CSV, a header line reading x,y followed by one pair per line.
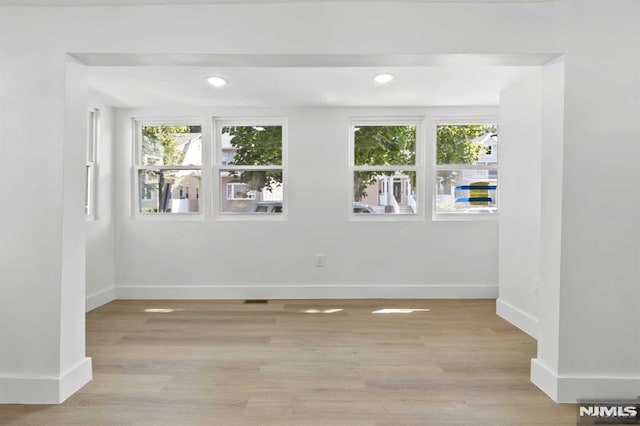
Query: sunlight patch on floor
x,y
398,311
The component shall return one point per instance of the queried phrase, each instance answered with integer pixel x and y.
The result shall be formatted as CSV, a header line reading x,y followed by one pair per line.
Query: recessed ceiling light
x,y
383,78
216,81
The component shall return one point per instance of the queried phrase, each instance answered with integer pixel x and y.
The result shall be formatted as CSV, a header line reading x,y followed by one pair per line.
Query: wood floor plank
x,y
302,362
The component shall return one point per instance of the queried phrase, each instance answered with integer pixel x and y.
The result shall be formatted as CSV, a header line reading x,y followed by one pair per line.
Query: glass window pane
x,y
376,192
466,191
171,145
467,144
251,145
251,191
384,145
169,191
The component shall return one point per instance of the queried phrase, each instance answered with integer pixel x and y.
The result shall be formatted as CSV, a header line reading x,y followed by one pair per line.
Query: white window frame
x,y
93,122
138,124
461,120
418,167
218,166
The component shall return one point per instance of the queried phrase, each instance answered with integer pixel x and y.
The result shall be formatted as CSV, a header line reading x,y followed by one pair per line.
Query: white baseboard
x,y
517,317
100,298
347,291
45,390
571,389
544,379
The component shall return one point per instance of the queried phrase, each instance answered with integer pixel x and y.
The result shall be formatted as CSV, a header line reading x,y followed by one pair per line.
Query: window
x,y
250,166
168,167
466,169
90,177
384,167
240,191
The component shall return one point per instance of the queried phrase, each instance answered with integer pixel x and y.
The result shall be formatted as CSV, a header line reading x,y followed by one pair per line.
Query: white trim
x,y
468,217
432,135
455,167
418,167
100,298
517,317
571,389
154,168
230,168
249,216
137,124
217,167
169,216
45,390
91,156
544,379
302,291
386,168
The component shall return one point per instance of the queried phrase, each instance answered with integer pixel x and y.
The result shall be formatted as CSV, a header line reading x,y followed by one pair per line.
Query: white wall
x,y
520,186
32,228
42,290
552,148
100,268
416,257
596,331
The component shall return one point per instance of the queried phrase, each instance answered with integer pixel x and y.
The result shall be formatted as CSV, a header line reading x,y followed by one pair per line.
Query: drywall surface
x,y
520,186
214,256
100,269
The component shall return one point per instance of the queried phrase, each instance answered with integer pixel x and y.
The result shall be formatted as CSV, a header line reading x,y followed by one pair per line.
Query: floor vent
x,y
254,301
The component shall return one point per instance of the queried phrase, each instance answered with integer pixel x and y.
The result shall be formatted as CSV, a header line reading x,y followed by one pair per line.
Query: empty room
x,y
320,212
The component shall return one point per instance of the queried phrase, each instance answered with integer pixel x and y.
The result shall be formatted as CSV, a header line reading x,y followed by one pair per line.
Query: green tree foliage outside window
x,y
455,146
381,146
159,142
160,147
256,146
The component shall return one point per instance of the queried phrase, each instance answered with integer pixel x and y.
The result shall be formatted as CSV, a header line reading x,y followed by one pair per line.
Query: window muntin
x,y
169,168
466,169
384,168
90,168
250,166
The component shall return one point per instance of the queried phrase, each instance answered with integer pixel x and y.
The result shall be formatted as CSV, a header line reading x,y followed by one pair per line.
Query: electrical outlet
x,y
320,260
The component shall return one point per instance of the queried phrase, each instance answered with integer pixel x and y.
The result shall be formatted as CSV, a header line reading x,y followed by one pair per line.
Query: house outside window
x,y
168,167
386,167
250,167
240,191
466,168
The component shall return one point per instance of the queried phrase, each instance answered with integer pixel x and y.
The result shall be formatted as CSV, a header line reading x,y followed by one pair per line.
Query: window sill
x,y
269,217
465,217
168,216
386,218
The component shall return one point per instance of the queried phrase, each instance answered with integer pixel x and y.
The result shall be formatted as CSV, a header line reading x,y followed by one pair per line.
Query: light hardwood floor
x,y
285,363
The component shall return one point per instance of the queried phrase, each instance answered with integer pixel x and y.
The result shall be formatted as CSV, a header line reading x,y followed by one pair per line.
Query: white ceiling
x,y
163,86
